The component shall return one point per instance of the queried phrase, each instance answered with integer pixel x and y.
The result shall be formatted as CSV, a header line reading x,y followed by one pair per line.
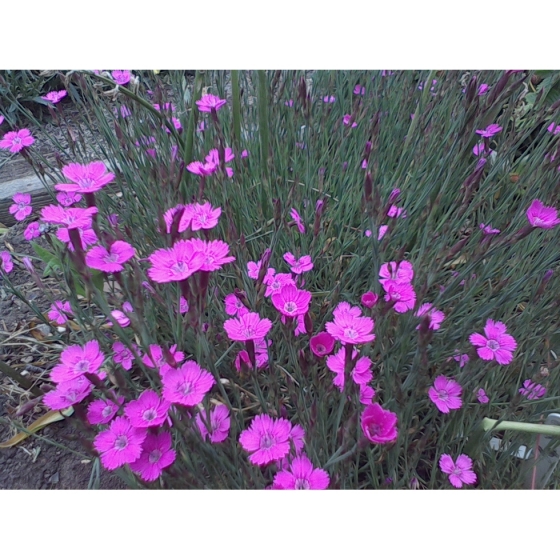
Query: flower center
x,y
149,415
302,484
350,333
107,411
443,395
266,441
374,429
112,258
180,267
185,388
320,348
155,456
86,182
121,442
248,334
537,221
82,366
290,307
493,345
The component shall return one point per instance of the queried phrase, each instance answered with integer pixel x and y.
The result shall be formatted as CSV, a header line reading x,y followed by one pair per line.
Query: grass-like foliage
x,y
352,277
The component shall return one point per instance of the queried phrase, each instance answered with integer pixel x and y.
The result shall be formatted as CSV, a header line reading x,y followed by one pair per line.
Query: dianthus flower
x,y
59,311
541,216
87,178
369,299
247,327
533,391
402,273
361,373
120,444
204,216
359,90
7,265
266,439
275,282
32,231
122,77
366,394
21,207
219,422
68,393
234,306
488,229
459,472
147,410
17,140
496,345
350,329
156,456
155,357
123,355
348,121
446,394
102,411
208,103
329,99
436,316
553,128
215,253
202,169
297,219
301,475
78,360
321,344
481,396
379,425
72,218
290,301
187,384
111,260
403,294
55,96
395,212
88,237
68,198
299,266
176,263
490,130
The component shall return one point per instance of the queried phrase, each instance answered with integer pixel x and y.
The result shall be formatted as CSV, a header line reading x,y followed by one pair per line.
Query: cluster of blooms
x,y
212,163
396,279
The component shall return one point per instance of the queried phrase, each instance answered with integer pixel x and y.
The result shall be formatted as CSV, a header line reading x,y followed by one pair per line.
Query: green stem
x,y
197,90
488,424
236,100
263,120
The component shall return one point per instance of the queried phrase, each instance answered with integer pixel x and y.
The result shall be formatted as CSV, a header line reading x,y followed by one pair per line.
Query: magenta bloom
x,y
483,89
349,329
219,423
156,359
32,231
366,394
68,198
77,360
297,219
102,411
291,302
21,207
490,130
58,312
204,216
208,103
463,359
275,282
381,233
17,140
488,229
87,237
446,394
379,425
234,305
55,96
481,396
348,121
266,439
401,273
122,355
120,317
147,411
329,99
496,345
298,266
359,90
187,385
156,456
541,216
176,263
253,269
396,212
111,260
460,472
436,316
551,128
247,327
7,264
202,169
321,344
532,391
403,294
85,178
360,374
72,218
120,444
369,299
68,393
215,253
301,475
122,77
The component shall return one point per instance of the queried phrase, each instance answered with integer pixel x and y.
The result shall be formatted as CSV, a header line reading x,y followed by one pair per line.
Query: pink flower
x,y
123,355
58,311
17,140
289,103
68,393
275,283
1,119
301,475
122,77
219,422
321,344
32,231
68,198
266,439
244,154
7,264
479,149
147,410
366,394
111,260
234,305
204,216
299,266
214,156
379,425
460,472
121,319
488,229
381,233
402,294
208,103
446,394
253,269
155,357
187,385
215,253
483,89
396,212
291,302
436,316
463,359
85,178
532,391
72,218
402,273
156,456
77,360
55,96
22,207
349,328
183,305
87,237
120,444
496,345
541,216
176,263
489,131
367,232
369,299
329,99
481,396
361,373
102,411
202,169
297,219
348,121
247,327
553,128
359,90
